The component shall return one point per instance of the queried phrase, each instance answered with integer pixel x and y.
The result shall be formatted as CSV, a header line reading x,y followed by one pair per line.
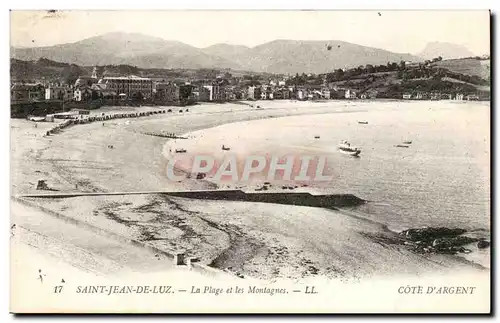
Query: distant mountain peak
x,y
444,49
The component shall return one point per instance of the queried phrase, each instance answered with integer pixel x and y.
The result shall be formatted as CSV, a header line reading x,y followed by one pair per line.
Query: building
x,y
240,94
302,94
411,64
435,96
253,93
281,94
58,93
459,96
167,93
325,92
203,94
214,92
350,94
266,94
129,85
406,96
472,97
422,96
230,94
26,92
314,95
82,93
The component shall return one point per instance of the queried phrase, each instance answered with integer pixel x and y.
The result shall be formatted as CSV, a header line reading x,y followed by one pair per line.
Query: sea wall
x,y
288,198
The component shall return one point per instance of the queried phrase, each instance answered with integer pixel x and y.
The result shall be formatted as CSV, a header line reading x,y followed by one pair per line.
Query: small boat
x,y
181,150
407,142
363,122
346,148
225,148
316,137
402,146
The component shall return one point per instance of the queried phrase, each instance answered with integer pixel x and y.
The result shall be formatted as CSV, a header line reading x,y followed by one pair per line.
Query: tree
x,y
70,74
402,65
339,74
370,68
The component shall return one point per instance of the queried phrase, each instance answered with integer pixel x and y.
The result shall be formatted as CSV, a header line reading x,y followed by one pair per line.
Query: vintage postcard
x,y
250,161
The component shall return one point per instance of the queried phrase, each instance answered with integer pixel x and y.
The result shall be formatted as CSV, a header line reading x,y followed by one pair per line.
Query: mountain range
x,y
278,56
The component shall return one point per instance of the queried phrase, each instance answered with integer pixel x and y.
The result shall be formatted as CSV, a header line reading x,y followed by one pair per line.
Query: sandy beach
x,y
266,241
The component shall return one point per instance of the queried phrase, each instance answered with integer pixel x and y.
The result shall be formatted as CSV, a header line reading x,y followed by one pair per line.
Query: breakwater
x,y
287,198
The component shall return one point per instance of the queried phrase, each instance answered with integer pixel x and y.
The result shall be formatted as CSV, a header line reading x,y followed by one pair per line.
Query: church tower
x,y
94,73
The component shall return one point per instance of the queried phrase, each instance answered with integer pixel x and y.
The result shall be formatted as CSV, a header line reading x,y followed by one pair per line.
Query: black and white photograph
x,y
250,161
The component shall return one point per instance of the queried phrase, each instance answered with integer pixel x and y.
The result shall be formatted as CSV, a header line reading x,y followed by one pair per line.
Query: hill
x,y
468,66
280,56
44,69
445,50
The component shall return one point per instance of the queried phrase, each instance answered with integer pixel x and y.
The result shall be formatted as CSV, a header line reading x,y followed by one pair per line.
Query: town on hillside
x,y
429,80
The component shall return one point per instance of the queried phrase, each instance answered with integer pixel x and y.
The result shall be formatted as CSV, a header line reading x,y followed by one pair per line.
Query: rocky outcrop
x,y
437,240
483,244
429,233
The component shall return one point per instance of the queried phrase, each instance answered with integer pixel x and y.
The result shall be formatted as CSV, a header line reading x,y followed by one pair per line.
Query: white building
x,y
83,93
214,92
349,94
58,93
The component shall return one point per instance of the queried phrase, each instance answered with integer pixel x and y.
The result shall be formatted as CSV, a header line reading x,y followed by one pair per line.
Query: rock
x,y
452,242
429,234
483,244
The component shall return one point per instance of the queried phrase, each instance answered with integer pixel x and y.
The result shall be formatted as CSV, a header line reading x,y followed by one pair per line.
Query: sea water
x,y
441,179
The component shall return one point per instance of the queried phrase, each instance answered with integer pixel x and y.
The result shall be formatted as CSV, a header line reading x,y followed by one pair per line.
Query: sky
x,y
397,31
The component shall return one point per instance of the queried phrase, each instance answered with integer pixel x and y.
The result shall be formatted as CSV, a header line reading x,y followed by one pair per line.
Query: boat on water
x,y
346,148
402,146
407,142
363,122
225,148
181,150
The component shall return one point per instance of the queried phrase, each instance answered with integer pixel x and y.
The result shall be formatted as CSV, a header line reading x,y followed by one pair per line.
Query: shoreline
x,y
55,163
